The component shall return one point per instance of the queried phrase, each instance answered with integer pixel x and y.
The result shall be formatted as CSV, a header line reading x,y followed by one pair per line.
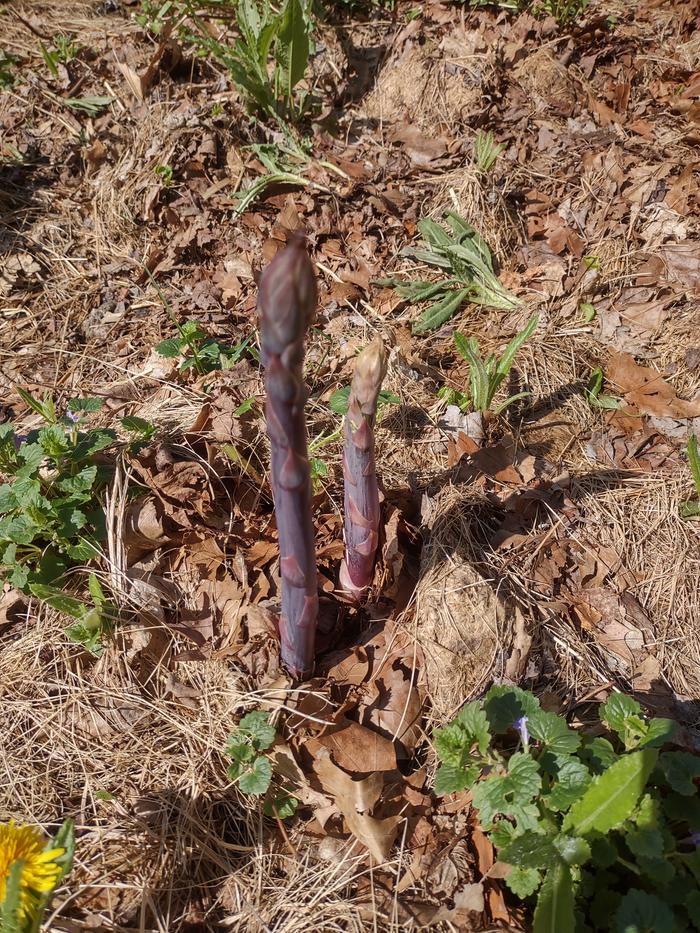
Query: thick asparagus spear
x,y
361,490
286,305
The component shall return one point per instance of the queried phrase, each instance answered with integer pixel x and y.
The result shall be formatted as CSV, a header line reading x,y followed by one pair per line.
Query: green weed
x,y
467,259
598,830
201,353
251,768
7,69
486,376
486,151
594,394
51,515
691,509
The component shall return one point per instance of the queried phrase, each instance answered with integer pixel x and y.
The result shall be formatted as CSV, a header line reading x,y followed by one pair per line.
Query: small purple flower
x,y
18,440
695,838
521,726
71,416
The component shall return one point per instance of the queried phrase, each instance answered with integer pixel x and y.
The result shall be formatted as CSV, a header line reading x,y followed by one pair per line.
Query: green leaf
x,y
553,732
26,491
64,839
572,779
285,805
555,905
640,912
509,354
612,796
256,726
440,311
59,600
523,881
85,404
87,636
138,425
681,769
91,104
245,406
8,500
10,907
511,793
588,311
451,778
96,591
598,752
170,348
573,849
658,732
618,710
20,529
293,45
81,482
472,720
531,850
504,705
257,780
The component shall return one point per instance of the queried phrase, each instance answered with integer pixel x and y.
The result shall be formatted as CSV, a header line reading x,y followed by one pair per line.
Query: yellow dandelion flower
x,y
39,870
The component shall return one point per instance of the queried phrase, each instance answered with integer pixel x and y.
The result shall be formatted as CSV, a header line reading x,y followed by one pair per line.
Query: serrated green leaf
x,y
510,794
339,400
257,780
472,720
681,769
553,732
504,705
451,778
621,713
640,912
573,849
138,425
555,904
8,500
612,796
85,404
81,482
19,529
658,732
531,850
523,881
256,725
571,781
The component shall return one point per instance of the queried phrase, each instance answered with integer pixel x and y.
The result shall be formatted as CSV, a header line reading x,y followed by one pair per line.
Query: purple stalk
x,y
361,489
286,306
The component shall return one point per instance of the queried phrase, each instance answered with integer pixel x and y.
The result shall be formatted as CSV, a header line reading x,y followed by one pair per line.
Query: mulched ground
x,y
550,554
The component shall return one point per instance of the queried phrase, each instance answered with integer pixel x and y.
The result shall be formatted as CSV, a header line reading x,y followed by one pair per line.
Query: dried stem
x,y
286,306
361,489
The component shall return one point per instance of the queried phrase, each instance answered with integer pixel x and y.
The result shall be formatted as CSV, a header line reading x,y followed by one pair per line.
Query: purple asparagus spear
x,y
286,305
361,490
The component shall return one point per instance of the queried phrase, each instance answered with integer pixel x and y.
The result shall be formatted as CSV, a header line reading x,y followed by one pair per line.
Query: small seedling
x,y
201,353
592,262
691,509
62,51
588,311
92,105
595,396
563,11
486,151
452,396
486,376
165,174
251,768
51,517
597,830
7,75
93,620
467,258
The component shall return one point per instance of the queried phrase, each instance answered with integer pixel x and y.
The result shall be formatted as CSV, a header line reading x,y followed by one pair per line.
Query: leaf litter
x,y
541,546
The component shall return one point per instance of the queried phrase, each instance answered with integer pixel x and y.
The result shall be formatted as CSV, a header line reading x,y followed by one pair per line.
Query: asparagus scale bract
x,y
361,489
286,306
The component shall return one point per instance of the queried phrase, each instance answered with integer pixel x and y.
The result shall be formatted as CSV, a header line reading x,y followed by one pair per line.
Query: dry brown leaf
x,y
617,622
647,390
356,748
355,799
